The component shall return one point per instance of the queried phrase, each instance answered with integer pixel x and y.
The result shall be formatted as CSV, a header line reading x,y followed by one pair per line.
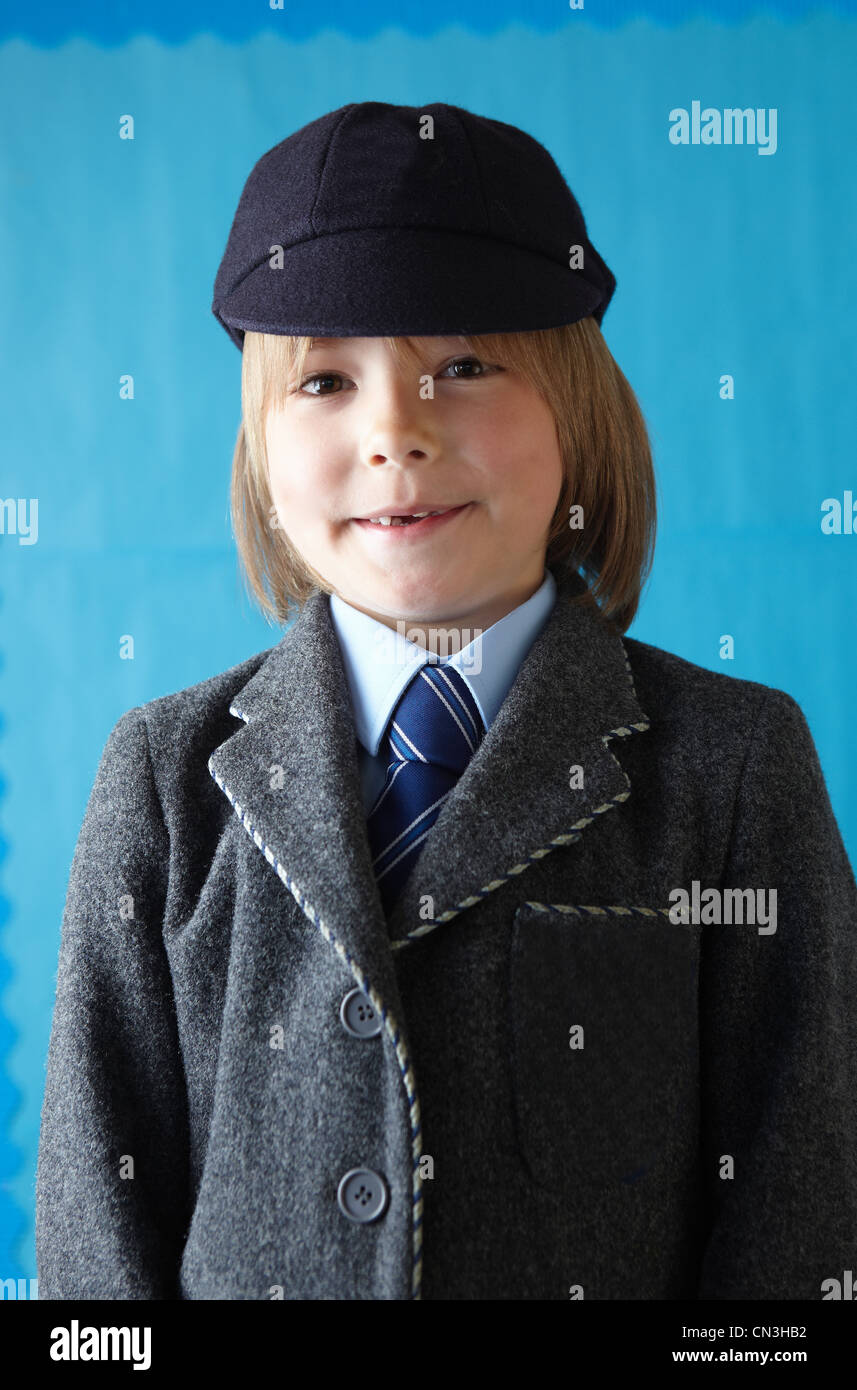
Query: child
x,y
454,947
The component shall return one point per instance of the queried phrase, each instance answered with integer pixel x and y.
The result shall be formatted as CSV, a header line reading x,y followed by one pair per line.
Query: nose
x,y
401,426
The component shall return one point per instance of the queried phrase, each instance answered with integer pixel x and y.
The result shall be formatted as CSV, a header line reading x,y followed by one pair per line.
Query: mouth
x,y
410,526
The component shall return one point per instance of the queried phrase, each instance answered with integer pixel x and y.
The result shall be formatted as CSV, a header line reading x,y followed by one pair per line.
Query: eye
x,y
321,377
467,362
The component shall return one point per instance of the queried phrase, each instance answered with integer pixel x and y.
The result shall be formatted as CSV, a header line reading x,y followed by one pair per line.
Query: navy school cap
x,y
375,220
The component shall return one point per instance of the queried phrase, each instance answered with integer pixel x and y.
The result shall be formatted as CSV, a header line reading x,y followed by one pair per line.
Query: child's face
x,y
367,437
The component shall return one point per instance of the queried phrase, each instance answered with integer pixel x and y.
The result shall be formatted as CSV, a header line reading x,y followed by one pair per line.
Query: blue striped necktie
x,y
433,733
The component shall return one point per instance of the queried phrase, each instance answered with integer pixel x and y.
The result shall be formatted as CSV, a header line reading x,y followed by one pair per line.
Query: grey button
x,y
358,1016
362,1195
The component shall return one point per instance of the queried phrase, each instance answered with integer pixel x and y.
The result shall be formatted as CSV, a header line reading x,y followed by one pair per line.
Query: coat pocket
x,y
604,1036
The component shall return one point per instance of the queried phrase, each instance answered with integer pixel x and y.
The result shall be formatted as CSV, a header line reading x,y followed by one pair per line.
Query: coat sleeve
x,y
111,1181
778,1027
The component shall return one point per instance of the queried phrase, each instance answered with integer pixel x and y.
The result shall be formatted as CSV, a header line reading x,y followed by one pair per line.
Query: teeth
x,y
399,521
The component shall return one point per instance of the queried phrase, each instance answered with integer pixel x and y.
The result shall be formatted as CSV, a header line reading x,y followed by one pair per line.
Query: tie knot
x,y
436,720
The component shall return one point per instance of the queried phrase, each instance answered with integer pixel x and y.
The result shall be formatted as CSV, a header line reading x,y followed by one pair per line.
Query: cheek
x,y
290,486
521,454
294,477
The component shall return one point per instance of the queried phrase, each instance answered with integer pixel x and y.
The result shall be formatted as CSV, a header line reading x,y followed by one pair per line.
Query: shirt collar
x,y
380,662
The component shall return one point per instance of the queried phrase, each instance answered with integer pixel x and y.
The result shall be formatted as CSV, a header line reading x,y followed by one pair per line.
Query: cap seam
x,y
485,209
484,235
333,134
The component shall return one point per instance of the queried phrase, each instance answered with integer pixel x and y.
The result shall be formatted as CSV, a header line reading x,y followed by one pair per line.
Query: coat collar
x,y
291,772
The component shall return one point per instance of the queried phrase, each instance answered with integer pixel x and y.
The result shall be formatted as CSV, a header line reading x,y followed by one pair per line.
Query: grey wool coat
x,y
569,1094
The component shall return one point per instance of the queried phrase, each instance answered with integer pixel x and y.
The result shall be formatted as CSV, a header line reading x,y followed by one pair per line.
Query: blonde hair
x,y
603,442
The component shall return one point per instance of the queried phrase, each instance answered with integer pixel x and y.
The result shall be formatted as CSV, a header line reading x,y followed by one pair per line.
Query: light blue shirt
x,y
380,663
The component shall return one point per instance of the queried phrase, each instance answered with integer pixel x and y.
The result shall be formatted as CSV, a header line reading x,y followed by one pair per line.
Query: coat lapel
x,y
518,797
292,774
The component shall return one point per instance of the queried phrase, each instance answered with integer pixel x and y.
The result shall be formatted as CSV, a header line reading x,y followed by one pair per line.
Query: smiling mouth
x,y
413,525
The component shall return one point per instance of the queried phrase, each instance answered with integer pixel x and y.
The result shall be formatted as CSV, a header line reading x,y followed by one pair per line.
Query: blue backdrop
x,y
729,262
